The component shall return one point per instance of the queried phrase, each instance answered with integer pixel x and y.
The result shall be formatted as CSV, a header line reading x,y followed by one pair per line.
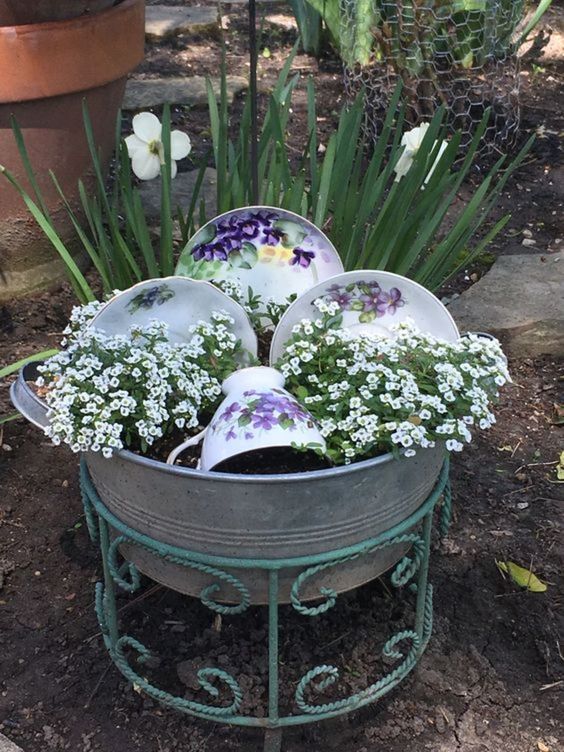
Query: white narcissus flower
x,y
412,141
146,148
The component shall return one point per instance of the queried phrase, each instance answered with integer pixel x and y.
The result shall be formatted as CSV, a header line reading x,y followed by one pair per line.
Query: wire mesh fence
x,y
456,53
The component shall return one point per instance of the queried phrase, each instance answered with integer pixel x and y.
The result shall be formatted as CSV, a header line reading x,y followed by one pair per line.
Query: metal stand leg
x,y
446,511
105,594
424,590
273,647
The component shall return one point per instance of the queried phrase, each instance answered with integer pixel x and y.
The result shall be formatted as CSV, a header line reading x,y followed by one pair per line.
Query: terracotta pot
x,y
16,12
53,67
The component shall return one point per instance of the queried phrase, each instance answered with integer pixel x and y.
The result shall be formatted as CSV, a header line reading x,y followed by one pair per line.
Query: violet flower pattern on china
x,y
367,298
156,295
246,238
259,411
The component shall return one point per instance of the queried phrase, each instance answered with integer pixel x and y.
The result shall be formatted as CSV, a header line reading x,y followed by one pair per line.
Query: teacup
x,y
256,414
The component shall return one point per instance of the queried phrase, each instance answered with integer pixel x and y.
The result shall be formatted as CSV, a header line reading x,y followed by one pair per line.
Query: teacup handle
x,y
192,441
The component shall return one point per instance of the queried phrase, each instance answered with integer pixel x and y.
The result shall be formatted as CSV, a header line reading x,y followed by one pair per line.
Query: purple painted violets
x,y
230,411
258,228
210,252
367,298
389,302
341,296
239,229
302,257
158,295
370,300
264,420
271,235
262,411
266,217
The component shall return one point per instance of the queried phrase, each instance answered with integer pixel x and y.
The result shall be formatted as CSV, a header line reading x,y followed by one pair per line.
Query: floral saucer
x,y
273,251
370,302
178,301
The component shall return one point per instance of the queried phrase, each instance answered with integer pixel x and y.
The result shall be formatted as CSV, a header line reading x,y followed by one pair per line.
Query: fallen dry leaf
x,y
558,419
521,576
560,467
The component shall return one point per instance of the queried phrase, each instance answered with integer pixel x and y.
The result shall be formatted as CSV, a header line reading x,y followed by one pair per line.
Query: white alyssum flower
x,y
146,149
400,394
107,392
412,141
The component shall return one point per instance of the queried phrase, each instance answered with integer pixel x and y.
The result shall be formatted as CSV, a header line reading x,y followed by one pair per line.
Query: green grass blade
x,y
324,182
80,284
312,130
223,195
440,279
9,418
100,239
95,159
14,367
111,217
135,221
189,217
541,9
281,82
138,223
120,161
94,255
214,121
29,171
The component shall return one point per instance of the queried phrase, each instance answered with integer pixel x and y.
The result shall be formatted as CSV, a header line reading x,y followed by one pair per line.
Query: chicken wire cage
x,y
458,53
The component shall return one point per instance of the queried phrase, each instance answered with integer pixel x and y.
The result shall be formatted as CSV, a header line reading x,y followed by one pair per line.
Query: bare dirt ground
x,y
492,679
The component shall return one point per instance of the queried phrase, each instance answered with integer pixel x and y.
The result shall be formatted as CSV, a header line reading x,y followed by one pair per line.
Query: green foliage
x,y
9,418
373,221
233,160
416,33
309,25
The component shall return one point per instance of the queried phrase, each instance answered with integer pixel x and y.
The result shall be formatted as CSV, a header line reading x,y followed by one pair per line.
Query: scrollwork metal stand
x,y
404,648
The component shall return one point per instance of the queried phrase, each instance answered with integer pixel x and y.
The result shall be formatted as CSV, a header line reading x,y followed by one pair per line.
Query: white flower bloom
x,y
134,392
412,141
373,395
146,149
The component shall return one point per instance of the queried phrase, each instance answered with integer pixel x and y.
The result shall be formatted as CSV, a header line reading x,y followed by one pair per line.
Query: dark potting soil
x,y
270,461
273,460
492,677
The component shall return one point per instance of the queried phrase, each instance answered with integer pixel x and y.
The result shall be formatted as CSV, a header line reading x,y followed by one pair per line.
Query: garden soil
x,y
492,679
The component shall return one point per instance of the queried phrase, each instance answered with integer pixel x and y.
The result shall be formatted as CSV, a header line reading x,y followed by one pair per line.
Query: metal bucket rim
x,y
308,475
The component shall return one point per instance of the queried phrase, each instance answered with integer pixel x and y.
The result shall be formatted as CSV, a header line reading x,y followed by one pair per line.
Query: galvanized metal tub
x,y
257,516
